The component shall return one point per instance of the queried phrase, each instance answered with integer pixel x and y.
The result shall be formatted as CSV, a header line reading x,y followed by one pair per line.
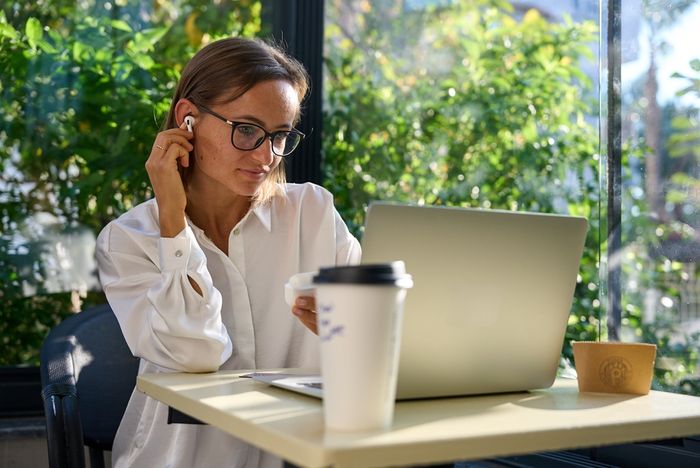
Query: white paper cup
x,y
360,312
300,284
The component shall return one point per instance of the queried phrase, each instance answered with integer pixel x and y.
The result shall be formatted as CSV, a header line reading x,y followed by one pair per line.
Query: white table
x,y
425,431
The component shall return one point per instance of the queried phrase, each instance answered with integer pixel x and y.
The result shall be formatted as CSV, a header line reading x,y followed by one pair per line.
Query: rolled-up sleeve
x,y
163,318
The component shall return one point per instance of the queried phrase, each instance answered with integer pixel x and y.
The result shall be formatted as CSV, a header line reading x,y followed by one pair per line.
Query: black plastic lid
x,y
393,273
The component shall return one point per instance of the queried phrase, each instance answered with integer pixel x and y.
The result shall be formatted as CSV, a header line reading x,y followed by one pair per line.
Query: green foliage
x,y
466,106
658,269
684,150
83,91
24,329
92,93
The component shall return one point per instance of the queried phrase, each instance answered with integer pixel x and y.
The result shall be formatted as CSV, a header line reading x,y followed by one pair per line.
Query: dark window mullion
x,y
298,24
614,167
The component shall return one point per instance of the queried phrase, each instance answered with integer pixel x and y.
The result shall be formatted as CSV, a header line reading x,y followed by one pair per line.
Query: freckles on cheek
x,y
212,142
211,152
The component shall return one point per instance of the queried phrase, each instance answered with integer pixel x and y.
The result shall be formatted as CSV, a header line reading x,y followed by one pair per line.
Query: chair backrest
x,y
87,376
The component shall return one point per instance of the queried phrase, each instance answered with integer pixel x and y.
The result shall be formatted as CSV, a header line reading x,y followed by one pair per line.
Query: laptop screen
x,y
491,298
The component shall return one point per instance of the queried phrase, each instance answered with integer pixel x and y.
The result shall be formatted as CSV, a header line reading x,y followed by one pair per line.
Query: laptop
x,y
491,297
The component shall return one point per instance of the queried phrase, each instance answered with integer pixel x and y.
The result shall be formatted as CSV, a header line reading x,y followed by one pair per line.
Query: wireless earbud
x,y
189,121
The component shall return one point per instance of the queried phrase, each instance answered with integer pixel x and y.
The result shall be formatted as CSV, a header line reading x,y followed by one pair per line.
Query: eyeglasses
x,y
247,136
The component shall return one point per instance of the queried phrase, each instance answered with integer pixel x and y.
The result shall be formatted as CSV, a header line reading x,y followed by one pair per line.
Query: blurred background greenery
x,y
478,103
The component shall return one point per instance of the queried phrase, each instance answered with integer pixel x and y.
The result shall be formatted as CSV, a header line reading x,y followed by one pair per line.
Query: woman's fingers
x,y
178,152
306,302
164,157
305,310
165,142
169,147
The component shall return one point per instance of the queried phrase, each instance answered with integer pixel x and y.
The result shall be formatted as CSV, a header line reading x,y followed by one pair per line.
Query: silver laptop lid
x,y
491,297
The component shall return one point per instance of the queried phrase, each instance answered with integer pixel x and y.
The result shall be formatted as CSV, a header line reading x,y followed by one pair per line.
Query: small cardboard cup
x,y
614,367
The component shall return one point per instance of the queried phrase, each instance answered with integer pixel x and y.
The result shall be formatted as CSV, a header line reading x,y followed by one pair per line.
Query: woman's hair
x,y
225,70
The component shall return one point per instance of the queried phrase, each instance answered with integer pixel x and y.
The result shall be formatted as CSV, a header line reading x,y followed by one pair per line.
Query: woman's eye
x,y
247,130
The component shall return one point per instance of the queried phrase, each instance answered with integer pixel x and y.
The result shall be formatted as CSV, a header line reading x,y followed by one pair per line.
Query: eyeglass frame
x,y
268,135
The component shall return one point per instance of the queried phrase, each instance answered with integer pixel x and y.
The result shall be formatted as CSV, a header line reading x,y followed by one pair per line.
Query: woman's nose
x,y
263,153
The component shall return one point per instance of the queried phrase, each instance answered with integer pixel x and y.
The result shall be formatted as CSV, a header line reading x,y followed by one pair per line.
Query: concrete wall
x,y
23,444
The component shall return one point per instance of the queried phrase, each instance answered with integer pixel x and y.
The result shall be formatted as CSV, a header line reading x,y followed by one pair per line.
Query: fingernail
x,y
302,302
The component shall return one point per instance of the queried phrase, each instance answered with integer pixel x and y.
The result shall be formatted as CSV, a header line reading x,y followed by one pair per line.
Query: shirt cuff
x,y
175,251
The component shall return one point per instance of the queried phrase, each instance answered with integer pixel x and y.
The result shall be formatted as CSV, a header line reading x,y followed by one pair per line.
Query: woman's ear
x,y
183,108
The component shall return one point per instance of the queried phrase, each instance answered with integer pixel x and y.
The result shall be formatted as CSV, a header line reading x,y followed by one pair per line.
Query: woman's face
x,y
272,105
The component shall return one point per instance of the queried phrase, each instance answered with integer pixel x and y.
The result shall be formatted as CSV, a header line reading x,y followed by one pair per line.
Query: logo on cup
x,y
328,330
615,371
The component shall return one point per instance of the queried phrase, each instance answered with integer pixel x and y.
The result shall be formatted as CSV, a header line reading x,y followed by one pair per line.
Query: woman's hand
x,y
305,310
170,147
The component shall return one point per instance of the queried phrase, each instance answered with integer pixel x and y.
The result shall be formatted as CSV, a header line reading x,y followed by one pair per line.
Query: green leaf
x,y
33,31
47,47
6,30
143,61
79,49
121,25
145,40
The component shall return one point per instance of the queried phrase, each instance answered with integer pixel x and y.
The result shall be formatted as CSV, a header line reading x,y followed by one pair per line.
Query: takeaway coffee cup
x,y
300,284
360,311
614,367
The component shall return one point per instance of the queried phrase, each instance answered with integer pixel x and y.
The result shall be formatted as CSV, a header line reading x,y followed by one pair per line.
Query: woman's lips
x,y
256,174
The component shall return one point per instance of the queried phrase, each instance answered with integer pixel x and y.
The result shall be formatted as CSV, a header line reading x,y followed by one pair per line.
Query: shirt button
x,y
178,253
236,231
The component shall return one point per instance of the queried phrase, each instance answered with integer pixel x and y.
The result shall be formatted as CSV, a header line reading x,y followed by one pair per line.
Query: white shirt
x,y
240,322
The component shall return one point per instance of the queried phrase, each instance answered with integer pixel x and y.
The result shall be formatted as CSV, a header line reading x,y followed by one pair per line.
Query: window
x,y
496,104
478,104
659,250
85,86
486,103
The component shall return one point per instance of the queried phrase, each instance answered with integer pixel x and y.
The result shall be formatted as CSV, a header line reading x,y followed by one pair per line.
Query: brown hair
x,y
225,70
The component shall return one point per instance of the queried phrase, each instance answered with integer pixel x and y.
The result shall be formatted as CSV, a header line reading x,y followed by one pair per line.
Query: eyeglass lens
x,y
248,137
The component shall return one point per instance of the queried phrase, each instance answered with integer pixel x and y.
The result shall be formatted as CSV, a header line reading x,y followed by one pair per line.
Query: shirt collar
x,y
264,214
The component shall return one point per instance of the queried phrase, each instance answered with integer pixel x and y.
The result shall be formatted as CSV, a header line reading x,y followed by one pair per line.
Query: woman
x,y
195,276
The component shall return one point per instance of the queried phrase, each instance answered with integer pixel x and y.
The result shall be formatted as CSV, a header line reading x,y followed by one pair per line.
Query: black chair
x,y
87,376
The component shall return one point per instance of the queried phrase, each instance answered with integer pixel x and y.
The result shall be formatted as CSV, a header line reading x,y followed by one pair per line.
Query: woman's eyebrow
x,y
255,120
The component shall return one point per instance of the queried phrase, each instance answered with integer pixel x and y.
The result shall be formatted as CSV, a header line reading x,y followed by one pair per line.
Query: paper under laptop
x,y
491,297
307,384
